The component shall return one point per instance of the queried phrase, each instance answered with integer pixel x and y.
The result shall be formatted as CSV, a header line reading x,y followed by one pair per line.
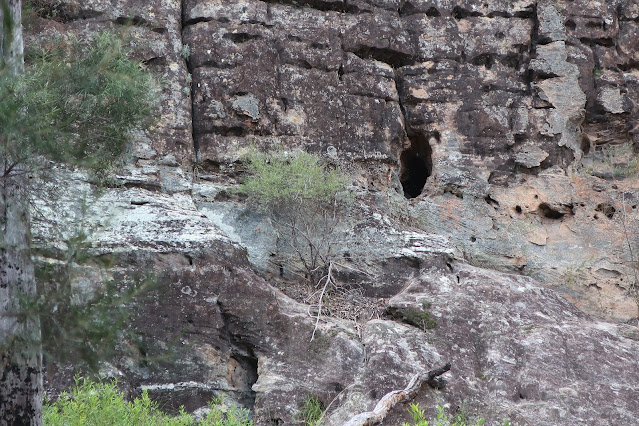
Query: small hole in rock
x,y
549,212
416,164
518,209
491,201
473,239
432,12
606,209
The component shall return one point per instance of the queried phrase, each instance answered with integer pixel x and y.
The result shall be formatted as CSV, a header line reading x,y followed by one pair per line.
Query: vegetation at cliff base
x,y
102,404
441,419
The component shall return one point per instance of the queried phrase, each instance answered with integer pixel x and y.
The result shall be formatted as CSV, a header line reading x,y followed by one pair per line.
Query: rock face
x,y
511,127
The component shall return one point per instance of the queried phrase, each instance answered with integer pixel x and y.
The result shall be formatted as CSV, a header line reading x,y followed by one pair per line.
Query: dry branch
x,y
392,398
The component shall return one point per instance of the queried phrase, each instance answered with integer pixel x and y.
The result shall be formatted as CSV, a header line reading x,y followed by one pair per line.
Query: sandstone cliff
x,y
510,127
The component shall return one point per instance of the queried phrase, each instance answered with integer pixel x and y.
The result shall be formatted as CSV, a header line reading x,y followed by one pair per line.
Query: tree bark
x,y
20,352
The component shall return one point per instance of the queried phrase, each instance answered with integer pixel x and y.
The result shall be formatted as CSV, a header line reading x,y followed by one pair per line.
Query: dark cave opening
x,y
416,165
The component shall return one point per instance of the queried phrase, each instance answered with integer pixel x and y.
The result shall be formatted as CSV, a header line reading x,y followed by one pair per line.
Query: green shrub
x,y
75,103
101,404
303,198
278,180
442,419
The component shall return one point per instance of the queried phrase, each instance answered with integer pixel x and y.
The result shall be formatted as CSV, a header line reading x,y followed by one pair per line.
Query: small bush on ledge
x,y
303,197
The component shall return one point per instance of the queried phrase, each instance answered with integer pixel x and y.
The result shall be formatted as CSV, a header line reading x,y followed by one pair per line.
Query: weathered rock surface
x,y
510,126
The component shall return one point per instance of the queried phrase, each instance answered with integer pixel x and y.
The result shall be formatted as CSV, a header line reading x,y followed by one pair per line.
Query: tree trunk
x,y
20,352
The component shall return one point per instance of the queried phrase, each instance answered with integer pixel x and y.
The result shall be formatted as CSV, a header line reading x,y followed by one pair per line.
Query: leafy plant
x,y
442,419
101,404
303,197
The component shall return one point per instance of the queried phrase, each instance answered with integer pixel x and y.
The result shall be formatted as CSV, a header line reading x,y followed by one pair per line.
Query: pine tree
x,y
76,104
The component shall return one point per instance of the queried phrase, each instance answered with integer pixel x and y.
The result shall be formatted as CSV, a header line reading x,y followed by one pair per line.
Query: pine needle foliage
x,y
75,103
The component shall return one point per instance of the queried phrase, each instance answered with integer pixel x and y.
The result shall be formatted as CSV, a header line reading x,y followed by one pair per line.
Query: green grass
x,y
102,404
311,411
442,419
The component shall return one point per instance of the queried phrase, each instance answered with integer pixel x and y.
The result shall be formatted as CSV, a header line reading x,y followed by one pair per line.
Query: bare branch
x,y
329,280
388,401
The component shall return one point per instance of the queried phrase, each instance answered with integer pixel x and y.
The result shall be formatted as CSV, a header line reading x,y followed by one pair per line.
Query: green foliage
x,y
79,327
442,419
416,317
75,104
278,180
311,411
303,197
102,404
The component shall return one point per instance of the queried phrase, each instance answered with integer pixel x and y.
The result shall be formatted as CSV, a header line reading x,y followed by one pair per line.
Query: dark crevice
x,y
433,12
416,163
526,14
392,57
189,67
491,201
542,75
158,60
193,21
485,59
133,21
596,25
629,66
243,362
534,33
607,209
240,37
500,14
153,187
603,41
461,13
325,6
